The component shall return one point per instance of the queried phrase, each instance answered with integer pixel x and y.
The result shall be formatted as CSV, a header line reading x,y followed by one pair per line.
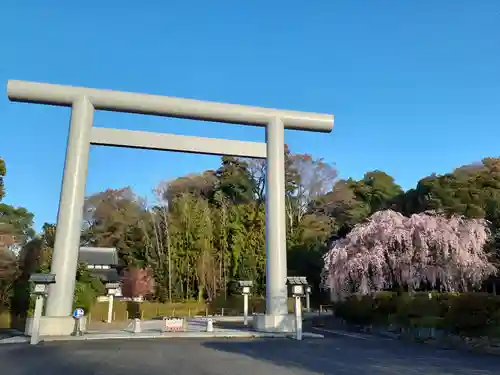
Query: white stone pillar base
x,y
274,323
56,325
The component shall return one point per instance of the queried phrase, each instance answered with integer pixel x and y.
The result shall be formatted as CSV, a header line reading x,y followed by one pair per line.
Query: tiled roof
x,y
99,256
106,276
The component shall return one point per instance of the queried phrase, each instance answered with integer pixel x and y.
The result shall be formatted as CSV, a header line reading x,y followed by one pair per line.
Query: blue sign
x,y
78,313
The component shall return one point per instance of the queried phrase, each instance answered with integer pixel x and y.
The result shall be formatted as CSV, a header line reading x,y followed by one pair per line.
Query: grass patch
x,y
5,320
123,310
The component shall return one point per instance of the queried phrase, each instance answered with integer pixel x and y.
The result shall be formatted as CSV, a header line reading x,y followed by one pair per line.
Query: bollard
x,y
137,326
210,325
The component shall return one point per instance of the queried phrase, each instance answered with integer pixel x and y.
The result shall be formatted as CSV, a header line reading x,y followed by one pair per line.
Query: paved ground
x,y
116,325
336,355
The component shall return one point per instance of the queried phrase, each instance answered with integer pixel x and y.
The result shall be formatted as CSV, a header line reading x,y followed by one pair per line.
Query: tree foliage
x,y
137,282
471,190
16,222
206,230
9,271
352,201
16,229
203,231
391,250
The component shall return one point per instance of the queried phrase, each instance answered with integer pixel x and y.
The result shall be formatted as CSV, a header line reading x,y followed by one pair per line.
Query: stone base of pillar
x,y
55,325
274,323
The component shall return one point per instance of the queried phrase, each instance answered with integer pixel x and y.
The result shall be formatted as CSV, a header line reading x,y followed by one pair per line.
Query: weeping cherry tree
x,y
391,250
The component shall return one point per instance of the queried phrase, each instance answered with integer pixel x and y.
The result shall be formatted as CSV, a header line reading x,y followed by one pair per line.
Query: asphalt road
x,y
339,355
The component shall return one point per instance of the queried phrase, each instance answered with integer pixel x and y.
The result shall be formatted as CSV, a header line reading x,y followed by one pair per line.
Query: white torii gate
x,y
84,101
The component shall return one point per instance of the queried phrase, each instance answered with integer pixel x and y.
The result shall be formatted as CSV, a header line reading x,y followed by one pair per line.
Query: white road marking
x,y
349,334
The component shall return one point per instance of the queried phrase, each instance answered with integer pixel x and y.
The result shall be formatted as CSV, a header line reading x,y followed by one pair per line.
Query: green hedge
x,y
465,314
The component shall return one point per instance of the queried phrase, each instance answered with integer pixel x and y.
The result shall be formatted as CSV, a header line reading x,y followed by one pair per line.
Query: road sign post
x,y
78,314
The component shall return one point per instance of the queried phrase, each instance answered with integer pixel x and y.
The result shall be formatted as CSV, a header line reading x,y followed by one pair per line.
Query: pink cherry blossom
x,y
393,250
137,282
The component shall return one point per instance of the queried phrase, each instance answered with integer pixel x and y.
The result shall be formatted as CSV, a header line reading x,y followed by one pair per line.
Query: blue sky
x,y
414,85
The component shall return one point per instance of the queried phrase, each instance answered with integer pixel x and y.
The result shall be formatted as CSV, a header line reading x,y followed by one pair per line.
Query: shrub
x,y
469,314
359,310
85,296
415,307
386,304
427,322
473,314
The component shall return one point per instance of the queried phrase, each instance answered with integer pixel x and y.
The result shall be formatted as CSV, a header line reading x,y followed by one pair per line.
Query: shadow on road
x,y
357,357
9,332
332,356
42,360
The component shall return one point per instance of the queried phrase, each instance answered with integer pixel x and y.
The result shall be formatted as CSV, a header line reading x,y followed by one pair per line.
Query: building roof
x,y
106,276
99,256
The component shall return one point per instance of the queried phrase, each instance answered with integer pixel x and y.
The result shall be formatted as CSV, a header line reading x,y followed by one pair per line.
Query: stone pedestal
x,y
274,323
56,325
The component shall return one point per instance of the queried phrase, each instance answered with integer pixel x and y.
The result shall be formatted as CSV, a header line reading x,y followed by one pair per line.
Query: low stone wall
x,y
55,326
